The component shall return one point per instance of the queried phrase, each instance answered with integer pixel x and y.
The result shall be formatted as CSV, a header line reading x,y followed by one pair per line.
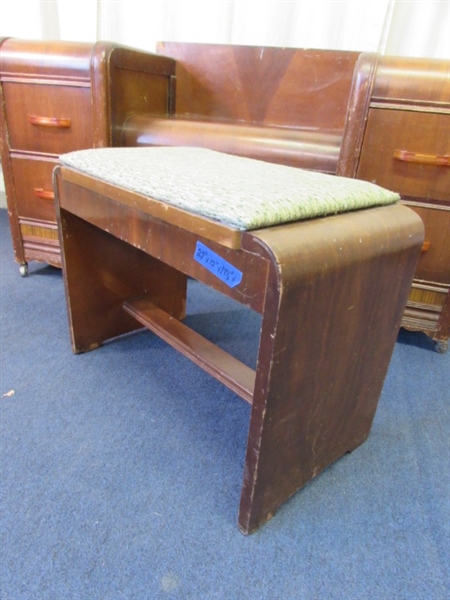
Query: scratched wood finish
x,y
331,292
319,378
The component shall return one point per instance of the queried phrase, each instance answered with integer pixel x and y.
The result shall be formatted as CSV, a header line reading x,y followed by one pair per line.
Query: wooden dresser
x,y
401,140
383,119
57,97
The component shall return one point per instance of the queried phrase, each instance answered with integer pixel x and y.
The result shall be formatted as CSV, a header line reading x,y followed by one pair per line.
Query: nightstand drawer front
x,y
48,118
407,152
434,262
34,188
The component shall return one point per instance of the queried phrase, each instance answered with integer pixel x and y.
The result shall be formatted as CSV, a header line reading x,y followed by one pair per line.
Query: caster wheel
x,y
441,347
23,270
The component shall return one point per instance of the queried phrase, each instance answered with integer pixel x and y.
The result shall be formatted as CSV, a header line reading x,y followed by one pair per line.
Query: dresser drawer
x,y
41,241
48,118
434,262
34,188
405,151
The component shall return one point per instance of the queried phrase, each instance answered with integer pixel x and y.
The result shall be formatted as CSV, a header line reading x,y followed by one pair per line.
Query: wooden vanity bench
x,y
322,286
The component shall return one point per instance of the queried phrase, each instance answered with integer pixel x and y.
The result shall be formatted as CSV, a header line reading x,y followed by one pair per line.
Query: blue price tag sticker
x,y
217,265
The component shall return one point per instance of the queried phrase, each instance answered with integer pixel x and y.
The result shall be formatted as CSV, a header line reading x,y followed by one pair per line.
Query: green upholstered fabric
x,y
242,193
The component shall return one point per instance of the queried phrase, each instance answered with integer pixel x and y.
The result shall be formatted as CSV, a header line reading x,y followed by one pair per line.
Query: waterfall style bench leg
x,y
326,343
322,287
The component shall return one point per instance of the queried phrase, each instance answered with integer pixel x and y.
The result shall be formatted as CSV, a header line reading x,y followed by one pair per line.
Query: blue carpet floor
x,y
121,470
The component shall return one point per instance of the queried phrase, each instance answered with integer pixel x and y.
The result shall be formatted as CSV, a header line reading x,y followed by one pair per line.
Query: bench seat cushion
x,y
242,193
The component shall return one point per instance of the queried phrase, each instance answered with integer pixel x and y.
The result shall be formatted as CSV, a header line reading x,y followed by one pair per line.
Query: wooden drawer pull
x,y
426,246
60,122
44,194
424,159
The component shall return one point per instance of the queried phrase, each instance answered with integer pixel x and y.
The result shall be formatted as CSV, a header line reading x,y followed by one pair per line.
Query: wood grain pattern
x,y
264,86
